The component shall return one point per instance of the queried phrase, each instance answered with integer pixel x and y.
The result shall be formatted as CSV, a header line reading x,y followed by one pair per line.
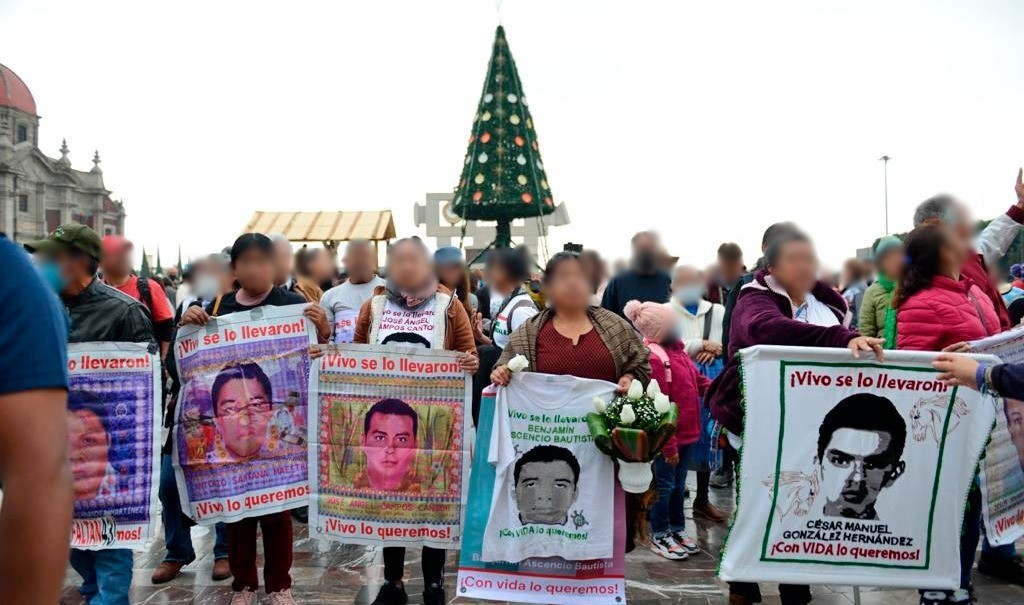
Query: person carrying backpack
x,y
510,306
116,266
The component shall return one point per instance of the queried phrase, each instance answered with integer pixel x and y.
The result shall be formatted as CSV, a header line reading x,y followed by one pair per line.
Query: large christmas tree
x,y
503,177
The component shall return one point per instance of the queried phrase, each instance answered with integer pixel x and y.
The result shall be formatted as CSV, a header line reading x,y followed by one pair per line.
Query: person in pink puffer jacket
x,y
678,378
937,307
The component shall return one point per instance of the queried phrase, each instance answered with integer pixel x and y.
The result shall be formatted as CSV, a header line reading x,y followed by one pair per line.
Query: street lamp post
x,y
885,179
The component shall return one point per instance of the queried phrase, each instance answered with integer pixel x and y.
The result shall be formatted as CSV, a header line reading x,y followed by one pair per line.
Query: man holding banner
x,y
98,313
414,308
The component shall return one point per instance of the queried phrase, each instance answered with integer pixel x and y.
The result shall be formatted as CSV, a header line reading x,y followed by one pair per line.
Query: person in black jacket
x,y
212,277
643,280
723,477
97,312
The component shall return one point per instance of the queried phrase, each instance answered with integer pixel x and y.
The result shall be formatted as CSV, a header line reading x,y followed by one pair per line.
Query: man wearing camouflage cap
x,y
69,259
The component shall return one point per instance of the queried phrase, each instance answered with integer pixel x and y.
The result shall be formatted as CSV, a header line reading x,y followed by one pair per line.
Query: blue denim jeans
x,y
106,575
178,537
667,513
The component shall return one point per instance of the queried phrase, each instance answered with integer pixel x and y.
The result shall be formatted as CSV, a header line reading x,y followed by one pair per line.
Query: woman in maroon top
x,y
572,337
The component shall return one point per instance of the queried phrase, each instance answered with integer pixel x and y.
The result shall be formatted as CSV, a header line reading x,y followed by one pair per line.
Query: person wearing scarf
x,y
431,317
877,315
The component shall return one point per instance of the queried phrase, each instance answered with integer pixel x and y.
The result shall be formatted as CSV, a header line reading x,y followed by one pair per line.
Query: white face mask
x,y
689,295
207,287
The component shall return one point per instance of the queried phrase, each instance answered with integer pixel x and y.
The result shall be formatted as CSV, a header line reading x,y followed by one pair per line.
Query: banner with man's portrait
x,y
390,457
543,579
113,420
1002,469
853,467
240,433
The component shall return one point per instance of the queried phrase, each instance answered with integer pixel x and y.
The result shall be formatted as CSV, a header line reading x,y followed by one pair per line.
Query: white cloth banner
x,y
552,485
1002,475
852,469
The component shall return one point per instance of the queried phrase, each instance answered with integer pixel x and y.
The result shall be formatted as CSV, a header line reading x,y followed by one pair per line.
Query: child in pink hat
x,y
678,378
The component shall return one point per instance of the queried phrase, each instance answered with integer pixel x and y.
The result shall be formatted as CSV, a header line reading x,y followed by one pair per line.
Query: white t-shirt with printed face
x,y
399,325
553,488
500,320
342,303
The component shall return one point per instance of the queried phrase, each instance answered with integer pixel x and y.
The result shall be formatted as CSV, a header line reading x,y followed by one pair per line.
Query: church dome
x,y
14,93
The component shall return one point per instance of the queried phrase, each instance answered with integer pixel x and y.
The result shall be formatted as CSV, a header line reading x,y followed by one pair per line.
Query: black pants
x,y
791,594
433,564
730,460
703,483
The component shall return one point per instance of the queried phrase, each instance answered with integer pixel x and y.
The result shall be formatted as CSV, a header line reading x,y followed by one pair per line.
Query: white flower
x,y
636,390
600,405
661,403
517,363
627,416
653,389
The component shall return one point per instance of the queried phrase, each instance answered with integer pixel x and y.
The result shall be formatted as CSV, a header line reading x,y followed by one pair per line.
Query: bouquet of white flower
x,y
633,428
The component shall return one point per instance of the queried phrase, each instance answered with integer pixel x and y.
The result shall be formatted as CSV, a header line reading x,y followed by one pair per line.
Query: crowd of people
x,y
934,289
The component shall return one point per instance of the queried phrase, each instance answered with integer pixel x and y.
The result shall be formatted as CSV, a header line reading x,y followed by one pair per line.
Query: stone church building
x,y
38,192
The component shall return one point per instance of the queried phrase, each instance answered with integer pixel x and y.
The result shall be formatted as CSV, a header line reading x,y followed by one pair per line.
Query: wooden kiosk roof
x,y
374,225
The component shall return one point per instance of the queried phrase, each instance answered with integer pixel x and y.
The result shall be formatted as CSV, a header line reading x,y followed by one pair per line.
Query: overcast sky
x,y
706,120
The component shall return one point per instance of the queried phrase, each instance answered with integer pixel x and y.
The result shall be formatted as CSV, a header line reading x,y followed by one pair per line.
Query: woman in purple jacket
x,y
785,304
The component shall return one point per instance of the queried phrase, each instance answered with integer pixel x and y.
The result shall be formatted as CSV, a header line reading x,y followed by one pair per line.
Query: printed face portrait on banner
x,y
89,446
869,469
1015,422
860,445
546,482
389,442
242,403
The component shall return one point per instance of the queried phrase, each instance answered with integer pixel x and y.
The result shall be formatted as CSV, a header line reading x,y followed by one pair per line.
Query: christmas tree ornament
x,y
503,154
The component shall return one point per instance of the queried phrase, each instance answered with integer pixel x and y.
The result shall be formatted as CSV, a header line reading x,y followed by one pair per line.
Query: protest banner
x,y
114,430
391,451
853,467
552,483
536,579
1002,469
240,432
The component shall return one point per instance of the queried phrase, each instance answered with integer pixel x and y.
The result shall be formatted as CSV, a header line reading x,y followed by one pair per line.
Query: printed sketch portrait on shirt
x,y
411,339
546,480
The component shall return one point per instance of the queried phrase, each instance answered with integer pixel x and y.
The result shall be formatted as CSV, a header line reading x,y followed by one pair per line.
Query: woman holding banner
x,y
939,309
414,309
574,338
252,260
784,305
